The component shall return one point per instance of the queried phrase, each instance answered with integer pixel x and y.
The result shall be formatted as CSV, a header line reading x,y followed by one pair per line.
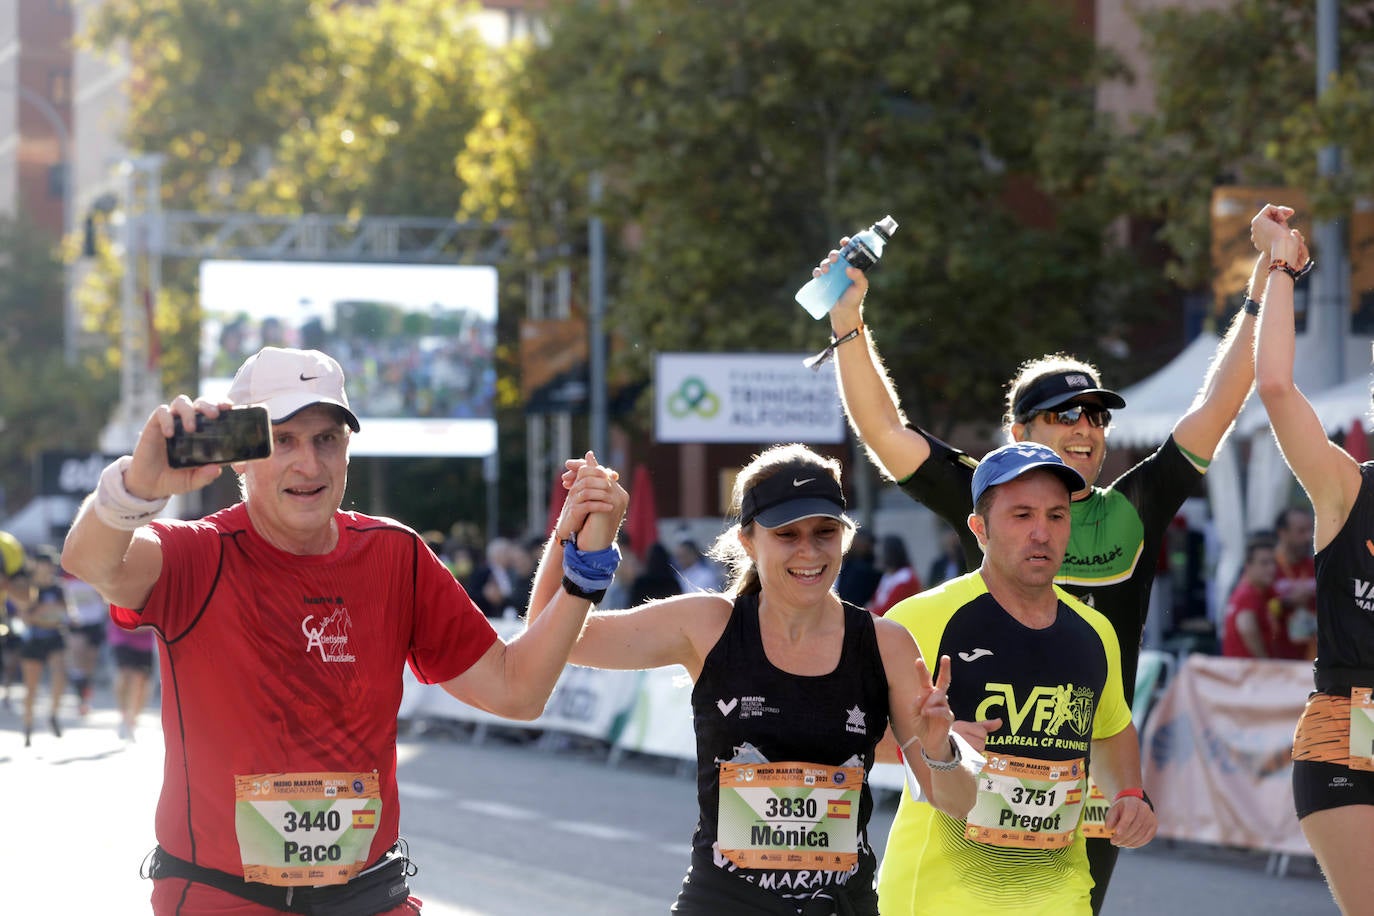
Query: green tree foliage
x,y
293,107
44,403
739,141
1236,103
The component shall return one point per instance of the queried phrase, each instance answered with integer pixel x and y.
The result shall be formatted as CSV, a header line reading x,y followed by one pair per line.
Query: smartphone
x,y
238,434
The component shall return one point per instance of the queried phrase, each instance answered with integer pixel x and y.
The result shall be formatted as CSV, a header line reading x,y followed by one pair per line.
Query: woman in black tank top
x,y
793,692
1333,786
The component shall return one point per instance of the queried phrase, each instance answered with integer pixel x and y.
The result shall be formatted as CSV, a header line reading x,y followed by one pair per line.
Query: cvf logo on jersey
x,y
330,636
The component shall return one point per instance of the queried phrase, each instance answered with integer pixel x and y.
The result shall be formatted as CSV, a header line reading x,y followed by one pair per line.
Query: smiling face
x,y
797,563
292,496
1025,531
1082,445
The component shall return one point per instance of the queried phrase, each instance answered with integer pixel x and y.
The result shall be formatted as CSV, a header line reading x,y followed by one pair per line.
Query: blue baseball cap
x,y
1011,461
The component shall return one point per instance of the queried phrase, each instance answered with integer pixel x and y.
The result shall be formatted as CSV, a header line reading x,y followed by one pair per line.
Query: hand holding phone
x,y
237,434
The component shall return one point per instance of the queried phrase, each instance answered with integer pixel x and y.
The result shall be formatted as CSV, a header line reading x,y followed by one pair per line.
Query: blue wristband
x,y
590,570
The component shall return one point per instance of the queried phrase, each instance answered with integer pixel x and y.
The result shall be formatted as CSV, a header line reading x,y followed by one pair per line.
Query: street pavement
x,y
503,827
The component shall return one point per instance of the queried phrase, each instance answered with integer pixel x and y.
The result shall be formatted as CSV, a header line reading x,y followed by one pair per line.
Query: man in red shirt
x,y
284,626
1251,624
1296,584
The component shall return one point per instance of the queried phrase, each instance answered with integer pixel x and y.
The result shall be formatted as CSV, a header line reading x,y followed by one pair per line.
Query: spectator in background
x,y
859,573
899,578
523,559
618,596
698,573
658,579
490,584
1251,613
1296,585
950,562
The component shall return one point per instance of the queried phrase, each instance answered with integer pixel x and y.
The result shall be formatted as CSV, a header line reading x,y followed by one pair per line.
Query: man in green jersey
x,y
1059,401
1046,669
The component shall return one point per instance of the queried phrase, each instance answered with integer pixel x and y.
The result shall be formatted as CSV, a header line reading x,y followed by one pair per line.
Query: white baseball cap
x,y
287,381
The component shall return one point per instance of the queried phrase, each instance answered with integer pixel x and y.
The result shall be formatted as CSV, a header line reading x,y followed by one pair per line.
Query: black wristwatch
x,y
577,591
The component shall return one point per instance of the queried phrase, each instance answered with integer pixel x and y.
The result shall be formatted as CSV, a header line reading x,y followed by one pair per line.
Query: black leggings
x,y
1101,862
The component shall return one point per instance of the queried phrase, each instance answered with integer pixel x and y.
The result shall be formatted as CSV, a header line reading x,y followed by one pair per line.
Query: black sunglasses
x,y
1098,417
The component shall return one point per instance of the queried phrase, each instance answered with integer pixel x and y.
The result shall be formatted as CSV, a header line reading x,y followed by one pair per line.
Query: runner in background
x,y
90,616
45,611
133,661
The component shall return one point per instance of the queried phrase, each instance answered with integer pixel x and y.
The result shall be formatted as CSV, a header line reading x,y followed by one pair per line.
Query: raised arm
x,y
655,634
107,545
870,400
922,720
1327,473
515,679
1232,371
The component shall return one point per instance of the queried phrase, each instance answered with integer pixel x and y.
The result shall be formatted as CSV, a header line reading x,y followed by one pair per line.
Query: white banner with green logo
x,y
745,397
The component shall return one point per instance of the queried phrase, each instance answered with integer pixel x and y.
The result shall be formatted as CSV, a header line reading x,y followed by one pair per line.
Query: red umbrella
x,y
641,520
1356,443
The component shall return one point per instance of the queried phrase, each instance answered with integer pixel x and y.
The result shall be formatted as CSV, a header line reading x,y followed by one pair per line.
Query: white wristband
x,y
116,506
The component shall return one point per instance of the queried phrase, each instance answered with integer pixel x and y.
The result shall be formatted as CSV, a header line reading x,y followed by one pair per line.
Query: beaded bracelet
x,y
1294,272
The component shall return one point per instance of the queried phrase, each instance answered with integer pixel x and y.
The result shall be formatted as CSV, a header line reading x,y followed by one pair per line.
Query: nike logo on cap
x,y
308,378
797,483
974,655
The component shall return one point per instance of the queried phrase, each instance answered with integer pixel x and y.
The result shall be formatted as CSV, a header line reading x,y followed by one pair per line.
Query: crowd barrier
x,y
1216,752
642,712
1216,734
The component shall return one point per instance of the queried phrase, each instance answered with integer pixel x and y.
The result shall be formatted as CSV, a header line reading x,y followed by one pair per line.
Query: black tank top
x,y
1345,597
829,719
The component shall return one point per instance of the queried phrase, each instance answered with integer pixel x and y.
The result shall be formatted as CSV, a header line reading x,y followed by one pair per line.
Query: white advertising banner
x,y
745,397
1216,753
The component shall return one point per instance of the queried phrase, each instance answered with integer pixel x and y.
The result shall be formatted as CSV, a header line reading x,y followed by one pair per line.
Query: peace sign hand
x,y
933,715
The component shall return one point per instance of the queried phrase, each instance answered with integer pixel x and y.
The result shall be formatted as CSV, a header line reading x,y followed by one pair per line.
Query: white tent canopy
x,y
1336,408
1154,404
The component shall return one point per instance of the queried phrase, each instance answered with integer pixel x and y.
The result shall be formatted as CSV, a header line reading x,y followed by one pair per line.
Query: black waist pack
x,y
380,887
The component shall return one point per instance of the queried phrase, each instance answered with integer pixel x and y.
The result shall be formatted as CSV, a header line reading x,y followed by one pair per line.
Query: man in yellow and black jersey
x,y
1046,671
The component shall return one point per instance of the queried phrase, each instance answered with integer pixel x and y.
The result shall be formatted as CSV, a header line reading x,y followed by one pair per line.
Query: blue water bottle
x,y
862,251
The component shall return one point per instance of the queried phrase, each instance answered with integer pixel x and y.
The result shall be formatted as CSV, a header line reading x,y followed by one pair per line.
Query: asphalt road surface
x,y
504,827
